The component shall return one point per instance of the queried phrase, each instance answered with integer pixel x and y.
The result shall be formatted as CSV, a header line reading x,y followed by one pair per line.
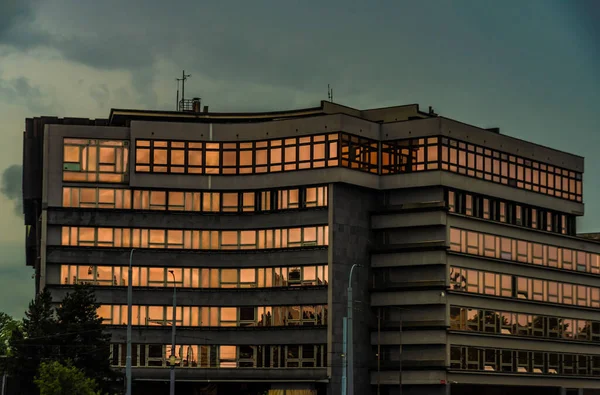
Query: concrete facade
x,y
400,228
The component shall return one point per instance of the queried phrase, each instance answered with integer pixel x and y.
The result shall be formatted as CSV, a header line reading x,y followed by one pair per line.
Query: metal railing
x,y
189,105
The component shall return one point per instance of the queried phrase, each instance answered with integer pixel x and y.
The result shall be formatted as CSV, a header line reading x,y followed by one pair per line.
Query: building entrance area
x,y
161,388
457,389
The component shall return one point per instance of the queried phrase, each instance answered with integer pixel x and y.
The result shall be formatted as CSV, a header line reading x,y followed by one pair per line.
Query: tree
x,y
33,342
72,332
7,325
55,378
82,338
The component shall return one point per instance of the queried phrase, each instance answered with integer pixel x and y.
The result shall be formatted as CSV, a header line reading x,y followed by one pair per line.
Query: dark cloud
x,y
290,47
17,287
586,14
12,187
21,91
13,13
101,94
359,49
16,17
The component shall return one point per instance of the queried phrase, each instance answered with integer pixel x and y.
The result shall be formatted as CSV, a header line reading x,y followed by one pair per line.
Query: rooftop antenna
x,y
177,99
330,93
183,78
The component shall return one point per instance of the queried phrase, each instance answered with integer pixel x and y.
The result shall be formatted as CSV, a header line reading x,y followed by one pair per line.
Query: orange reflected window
x,y
175,238
248,275
248,238
71,154
177,157
194,239
230,201
195,158
195,278
94,160
176,200
229,239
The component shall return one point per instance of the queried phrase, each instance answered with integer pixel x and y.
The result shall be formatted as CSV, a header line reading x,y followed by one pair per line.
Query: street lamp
x,y
129,297
172,358
5,357
349,351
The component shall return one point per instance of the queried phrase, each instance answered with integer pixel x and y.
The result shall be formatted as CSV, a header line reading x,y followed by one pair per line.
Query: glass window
x,y
196,277
95,160
456,358
227,356
482,244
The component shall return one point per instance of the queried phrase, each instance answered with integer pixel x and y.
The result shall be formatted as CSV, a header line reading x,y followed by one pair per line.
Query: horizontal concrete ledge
x,y
484,340
392,326
255,181
521,269
408,220
222,335
407,247
224,297
475,185
523,233
187,258
409,285
412,337
407,298
534,380
185,220
403,259
497,303
414,377
410,207
225,375
415,364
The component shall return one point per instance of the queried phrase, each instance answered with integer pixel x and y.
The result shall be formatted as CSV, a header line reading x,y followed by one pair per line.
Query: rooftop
x,y
122,117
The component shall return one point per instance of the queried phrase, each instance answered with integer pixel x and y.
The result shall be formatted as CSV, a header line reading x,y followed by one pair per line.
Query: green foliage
x,y
7,326
71,333
55,378
33,342
82,337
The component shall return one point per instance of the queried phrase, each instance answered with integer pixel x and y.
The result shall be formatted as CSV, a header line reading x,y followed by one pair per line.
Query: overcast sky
x,y
529,67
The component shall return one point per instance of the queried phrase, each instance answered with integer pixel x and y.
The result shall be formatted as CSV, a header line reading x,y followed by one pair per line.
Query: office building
x,y
471,280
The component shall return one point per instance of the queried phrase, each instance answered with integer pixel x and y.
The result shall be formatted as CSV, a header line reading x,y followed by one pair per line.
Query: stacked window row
x,y
308,236
411,155
293,276
85,161
523,361
522,324
256,157
507,248
492,165
216,316
508,212
95,160
206,202
432,153
510,286
222,356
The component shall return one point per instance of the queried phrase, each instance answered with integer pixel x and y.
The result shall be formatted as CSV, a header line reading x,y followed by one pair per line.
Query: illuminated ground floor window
x,y
222,356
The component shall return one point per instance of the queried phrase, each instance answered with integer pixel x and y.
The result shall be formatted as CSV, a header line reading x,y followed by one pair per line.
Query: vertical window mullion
x,y
237,162
169,149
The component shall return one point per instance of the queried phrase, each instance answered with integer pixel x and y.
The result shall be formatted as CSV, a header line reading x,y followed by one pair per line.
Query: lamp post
x,y
3,373
350,345
129,297
344,355
173,326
